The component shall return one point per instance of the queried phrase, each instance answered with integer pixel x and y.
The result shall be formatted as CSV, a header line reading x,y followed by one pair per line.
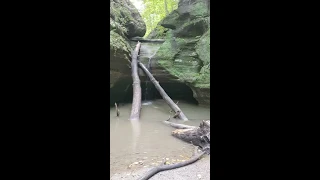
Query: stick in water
x,y
117,109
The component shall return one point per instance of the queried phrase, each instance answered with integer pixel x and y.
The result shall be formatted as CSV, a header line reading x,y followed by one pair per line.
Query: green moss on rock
x,y
185,54
119,45
127,16
158,33
199,9
193,28
203,48
178,57
125,22
171,21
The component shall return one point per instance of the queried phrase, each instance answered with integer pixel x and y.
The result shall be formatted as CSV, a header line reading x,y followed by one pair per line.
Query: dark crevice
x,y
122,92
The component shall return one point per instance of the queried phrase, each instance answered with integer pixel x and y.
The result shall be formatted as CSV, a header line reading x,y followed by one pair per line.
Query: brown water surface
x,y
144,143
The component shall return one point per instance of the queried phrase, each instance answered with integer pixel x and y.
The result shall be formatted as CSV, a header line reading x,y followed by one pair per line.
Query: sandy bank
x,y
197,170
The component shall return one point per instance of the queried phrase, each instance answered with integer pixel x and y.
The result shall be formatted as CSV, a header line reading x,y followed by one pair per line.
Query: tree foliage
x,y
155,11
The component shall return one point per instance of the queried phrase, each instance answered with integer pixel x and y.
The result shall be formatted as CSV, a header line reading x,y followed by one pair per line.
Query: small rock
x,y
199,176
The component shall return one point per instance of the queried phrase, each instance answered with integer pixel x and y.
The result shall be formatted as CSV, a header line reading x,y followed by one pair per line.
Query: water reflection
x,y
148,140
135,134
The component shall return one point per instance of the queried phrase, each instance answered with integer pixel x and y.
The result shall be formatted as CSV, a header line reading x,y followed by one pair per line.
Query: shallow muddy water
x,y
144,143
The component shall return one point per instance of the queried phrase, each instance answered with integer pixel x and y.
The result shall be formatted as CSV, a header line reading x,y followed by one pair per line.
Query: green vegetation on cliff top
x,y
155,11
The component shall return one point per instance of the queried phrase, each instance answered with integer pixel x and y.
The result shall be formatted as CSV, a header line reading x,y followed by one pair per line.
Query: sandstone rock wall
x,y
185,55
125,22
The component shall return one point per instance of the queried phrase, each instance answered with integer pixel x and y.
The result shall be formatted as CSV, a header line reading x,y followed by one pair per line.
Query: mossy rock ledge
x,y
125,22
185,54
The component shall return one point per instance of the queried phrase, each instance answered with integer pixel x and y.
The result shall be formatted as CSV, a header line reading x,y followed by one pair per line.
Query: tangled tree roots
x,y
199,136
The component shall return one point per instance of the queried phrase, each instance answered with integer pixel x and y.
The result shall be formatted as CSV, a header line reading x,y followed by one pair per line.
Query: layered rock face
x,y
125,22
182,61
185,55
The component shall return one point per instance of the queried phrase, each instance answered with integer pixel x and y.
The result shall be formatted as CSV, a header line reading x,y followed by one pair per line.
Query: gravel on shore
x,y
194,171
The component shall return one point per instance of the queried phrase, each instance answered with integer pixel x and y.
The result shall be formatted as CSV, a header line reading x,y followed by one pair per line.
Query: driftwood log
x,y
178,126
136,100
199,136
164,95
196,156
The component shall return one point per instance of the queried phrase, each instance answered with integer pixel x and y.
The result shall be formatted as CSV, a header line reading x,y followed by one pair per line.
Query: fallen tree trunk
x,y
136,100
199,136
160,168
164,95
146,40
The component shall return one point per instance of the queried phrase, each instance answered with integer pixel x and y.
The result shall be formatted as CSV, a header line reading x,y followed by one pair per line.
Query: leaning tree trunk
x,y
164,95
136,101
